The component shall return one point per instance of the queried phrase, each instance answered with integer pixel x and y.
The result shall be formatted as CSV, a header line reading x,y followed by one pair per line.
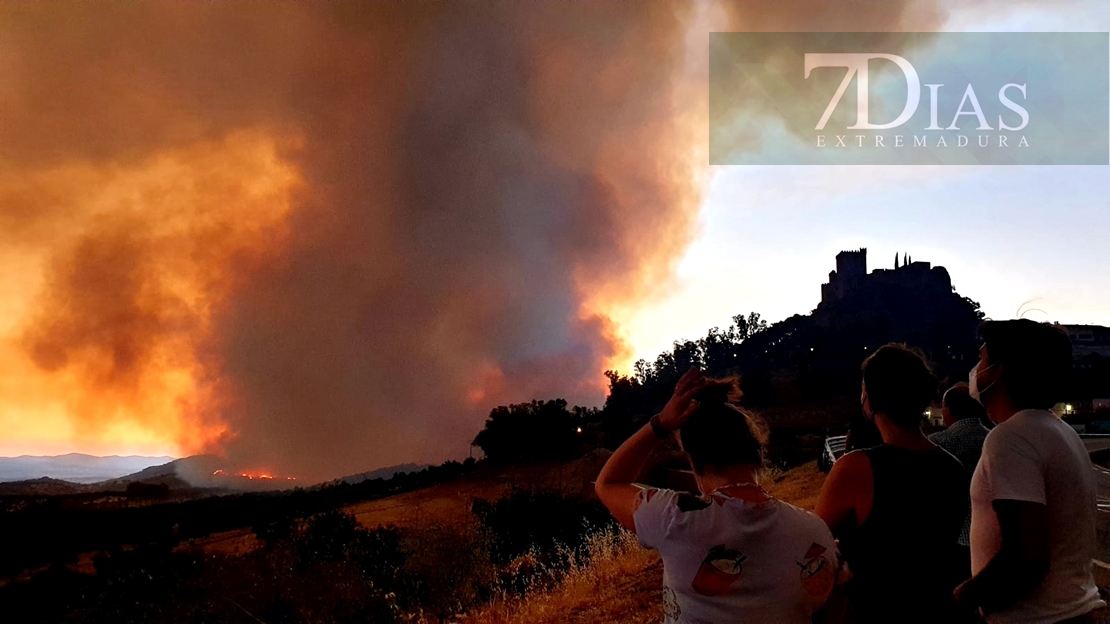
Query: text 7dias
x,y
857,65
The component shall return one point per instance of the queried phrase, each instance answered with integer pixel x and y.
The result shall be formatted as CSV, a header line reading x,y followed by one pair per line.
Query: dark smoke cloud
x,y
478,188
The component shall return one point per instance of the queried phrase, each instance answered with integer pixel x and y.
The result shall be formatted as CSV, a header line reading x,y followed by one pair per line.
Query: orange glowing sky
x,y
321,239
216,204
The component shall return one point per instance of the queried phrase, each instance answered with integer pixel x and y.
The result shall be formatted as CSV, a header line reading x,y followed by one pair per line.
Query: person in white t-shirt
x,y
1033,493
735,553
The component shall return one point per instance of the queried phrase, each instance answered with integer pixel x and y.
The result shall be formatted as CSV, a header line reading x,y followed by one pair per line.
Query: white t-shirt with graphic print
x,y
727,561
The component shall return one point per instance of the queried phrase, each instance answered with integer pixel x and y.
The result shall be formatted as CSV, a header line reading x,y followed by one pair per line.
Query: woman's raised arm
x,y
614,485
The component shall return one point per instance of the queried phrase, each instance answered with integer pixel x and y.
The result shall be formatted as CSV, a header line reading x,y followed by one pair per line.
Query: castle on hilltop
x,y
851,279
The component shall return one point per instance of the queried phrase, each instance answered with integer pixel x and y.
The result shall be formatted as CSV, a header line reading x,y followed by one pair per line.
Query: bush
x,y
538,522
447,571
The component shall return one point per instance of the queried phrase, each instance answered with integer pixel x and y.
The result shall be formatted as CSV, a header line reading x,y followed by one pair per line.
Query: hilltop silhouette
x,y
803,372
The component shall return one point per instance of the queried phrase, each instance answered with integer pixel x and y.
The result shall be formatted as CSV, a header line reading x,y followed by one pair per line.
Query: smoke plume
x,y
323,238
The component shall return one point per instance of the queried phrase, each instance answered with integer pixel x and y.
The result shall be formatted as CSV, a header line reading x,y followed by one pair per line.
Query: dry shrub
x,y
451,570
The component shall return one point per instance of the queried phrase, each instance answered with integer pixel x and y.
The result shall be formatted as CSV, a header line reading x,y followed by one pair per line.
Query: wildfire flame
x,y
251,475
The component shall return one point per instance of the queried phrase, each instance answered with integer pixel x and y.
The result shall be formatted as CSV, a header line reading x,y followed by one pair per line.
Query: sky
x,y
321,239
1013,238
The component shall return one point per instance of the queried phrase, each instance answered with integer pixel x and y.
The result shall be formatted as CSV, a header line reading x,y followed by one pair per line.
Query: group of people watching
x,y
970,524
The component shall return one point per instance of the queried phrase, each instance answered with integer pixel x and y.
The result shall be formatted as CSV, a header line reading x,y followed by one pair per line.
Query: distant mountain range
x,y
75,467
380,473
77,473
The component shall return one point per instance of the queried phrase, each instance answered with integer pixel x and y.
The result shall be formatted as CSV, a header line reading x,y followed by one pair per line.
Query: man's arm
x,y
614,484
1022,560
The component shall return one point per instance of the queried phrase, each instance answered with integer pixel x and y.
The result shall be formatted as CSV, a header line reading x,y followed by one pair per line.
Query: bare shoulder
x,y
852,466
845,490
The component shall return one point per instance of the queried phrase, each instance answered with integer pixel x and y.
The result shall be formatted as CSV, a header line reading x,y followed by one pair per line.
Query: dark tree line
x,y
810,358
547,430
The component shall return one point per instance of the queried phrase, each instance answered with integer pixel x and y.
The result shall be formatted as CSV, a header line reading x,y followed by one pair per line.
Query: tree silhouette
x,y
536,431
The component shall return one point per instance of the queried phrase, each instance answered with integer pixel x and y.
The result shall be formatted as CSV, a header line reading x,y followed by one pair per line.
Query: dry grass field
x,y
798,486
448,504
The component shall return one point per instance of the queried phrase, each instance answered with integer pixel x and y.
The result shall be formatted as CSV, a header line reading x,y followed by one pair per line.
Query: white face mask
x,y
973,383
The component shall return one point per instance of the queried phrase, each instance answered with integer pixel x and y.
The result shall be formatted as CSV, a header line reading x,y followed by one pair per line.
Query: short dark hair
x,y
900,383
959,402
720,433
1035,360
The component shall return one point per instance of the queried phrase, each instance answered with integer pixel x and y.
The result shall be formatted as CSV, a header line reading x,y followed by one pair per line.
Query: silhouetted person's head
x,y
958,405
898,384
1022,365
720,435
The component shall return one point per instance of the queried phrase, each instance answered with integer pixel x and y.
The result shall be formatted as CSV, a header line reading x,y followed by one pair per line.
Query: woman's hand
x,y
682,404
614,486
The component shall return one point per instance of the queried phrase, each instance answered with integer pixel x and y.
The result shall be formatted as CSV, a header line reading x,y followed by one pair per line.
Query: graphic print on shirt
x,y
721,568
818,575
688,502
671,609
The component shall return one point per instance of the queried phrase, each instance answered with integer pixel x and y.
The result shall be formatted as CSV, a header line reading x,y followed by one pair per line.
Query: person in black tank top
x,y
898,508
905,555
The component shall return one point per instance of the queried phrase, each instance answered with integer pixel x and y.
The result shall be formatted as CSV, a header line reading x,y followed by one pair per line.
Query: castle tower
x,y
851,270
852,264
